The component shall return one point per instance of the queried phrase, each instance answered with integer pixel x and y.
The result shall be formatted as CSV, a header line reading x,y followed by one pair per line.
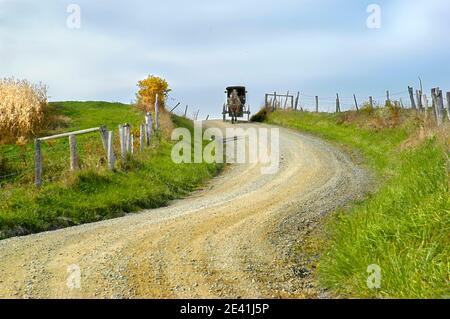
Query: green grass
x,y
403,227
92,114
150,180
63,117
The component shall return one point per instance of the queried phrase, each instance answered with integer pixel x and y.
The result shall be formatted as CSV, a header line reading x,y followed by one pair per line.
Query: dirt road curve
x,y
235,238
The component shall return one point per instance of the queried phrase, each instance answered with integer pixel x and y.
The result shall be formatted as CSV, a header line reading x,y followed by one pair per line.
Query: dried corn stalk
x,y
22,106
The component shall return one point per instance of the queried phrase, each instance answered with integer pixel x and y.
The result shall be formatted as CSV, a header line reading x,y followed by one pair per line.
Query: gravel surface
x,y
232,239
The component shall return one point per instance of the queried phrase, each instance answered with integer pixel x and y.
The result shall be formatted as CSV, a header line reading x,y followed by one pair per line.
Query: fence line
x,y
437,101
107,137
418,100
36,153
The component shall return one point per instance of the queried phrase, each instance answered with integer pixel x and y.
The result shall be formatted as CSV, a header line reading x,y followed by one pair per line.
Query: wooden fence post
x,y
419,100
149,127
73,153
436,107
129,139
425,102
156,113
132,144
356,102
125,137
274,106
411,97
440,100
173,109
371,102
388,97
317,104
185,110
297,100
448,105
123,149
207,117
104,137
37,163
433,103
287,98
110,144
142,137
338,103
124,143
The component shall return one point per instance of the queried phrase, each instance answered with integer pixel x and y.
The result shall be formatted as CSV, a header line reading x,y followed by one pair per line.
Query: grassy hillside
x,y
404,226
17,160
149,180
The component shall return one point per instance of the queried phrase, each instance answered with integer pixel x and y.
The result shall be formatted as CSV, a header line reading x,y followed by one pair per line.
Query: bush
x,y
148,88
261,116
391,115
22,107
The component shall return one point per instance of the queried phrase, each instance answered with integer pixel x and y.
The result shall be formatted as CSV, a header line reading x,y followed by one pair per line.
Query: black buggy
x,y
242,94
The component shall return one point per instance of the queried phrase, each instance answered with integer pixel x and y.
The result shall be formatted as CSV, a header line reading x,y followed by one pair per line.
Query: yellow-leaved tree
x,y
148,88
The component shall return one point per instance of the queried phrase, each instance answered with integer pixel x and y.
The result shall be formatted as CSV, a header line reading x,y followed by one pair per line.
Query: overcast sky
x,y
318,47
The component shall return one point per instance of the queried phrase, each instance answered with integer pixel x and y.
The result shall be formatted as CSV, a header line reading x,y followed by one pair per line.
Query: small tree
x,y
148,88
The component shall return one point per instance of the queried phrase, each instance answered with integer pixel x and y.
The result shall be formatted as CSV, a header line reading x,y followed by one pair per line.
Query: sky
x,y
319,47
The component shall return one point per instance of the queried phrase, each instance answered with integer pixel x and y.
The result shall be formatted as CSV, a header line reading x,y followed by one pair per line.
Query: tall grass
x,y
404,229
404,226
22,107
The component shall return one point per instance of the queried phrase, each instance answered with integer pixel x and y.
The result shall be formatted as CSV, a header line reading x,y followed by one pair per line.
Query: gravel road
x,y
233,238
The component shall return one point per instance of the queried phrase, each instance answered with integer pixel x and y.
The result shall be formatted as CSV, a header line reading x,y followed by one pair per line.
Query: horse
x,y
234,106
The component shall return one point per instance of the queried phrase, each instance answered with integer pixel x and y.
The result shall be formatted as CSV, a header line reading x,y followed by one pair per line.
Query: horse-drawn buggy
x,y
236,104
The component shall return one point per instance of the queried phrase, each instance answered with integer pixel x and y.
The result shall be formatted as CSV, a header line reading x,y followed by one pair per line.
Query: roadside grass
x,y
403,226
149,180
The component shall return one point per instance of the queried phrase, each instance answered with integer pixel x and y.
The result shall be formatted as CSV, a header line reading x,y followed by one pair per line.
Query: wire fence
x,y
57,156
412,99
184,110
17,165
307,101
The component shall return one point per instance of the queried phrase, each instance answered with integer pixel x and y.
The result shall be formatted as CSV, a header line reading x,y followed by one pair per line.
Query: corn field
x,y
22,106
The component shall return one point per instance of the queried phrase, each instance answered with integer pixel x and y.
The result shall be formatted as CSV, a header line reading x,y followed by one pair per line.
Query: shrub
x,y
148,88
261,116
367,108
390,115
22,107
